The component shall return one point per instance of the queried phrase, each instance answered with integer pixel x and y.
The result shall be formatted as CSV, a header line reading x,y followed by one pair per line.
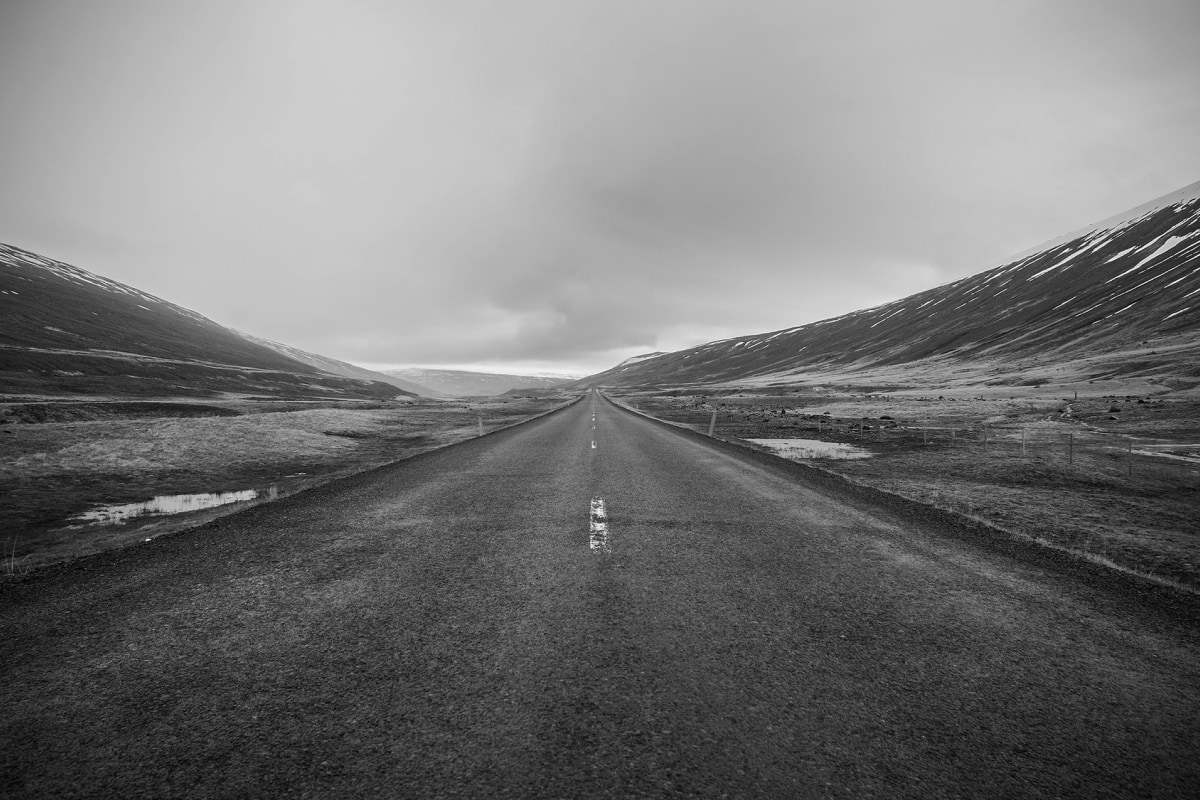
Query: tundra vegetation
x,y
61,458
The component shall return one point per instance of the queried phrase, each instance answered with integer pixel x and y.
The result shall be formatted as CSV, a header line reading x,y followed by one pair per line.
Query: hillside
x,y
461,383
1119,299
70,331
335,367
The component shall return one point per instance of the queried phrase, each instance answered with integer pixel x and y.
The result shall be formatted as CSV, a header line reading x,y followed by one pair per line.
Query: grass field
x,y
62,458
1058,470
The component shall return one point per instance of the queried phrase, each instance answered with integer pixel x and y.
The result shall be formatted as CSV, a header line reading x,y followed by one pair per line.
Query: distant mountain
x,y
1120,298
70,331
335,367
459,383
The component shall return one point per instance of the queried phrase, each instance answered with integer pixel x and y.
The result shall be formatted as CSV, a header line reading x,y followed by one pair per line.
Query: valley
x,y
1054,398
463,383
615,400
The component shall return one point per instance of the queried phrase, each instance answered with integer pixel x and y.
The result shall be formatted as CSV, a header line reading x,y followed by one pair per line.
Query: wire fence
x,y
1070,446
1111,452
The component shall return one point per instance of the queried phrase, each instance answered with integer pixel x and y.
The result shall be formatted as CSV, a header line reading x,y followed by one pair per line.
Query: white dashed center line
x,y
599,526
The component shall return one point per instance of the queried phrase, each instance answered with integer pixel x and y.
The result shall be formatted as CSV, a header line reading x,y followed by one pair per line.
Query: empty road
x,y
591,605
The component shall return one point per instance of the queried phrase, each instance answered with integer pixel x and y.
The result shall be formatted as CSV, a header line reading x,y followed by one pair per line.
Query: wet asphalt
x,y
444,627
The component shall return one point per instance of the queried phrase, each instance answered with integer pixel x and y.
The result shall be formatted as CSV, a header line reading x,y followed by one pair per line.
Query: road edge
x,y
44,571
1161,596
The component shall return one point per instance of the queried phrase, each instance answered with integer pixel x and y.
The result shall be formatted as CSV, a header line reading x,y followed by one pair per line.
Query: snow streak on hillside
x,y
1178,197
34,267
637,359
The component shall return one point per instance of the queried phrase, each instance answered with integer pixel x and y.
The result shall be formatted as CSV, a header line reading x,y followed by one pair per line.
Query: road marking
x,y
599,526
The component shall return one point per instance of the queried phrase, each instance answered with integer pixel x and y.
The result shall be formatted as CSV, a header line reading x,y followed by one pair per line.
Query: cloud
x,y
573,182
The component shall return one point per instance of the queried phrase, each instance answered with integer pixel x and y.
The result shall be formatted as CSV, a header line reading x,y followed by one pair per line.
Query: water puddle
x,y
798,449
1189,453
172,504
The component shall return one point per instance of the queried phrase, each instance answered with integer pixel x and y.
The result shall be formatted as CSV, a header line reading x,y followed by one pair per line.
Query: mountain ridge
x,y
335,367
1126,282
71,331
465,383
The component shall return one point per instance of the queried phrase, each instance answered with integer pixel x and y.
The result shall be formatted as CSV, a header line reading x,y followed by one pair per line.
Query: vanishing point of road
x,y
593,604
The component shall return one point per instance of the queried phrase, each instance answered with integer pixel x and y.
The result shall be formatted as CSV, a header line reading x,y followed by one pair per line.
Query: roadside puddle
x,y
1189,453
799,449
164,505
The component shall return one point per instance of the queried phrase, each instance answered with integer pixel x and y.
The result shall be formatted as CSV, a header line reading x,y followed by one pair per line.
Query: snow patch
x,y
803,449
1164,247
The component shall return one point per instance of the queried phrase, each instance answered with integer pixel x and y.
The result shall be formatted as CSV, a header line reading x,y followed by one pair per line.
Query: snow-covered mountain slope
x,y
335,367
643,357
1121,296
461,383
68,330
1179,196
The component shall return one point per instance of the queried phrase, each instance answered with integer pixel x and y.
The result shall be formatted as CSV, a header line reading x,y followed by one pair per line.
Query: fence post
x,y
1070,448
712,424
1022,442
926,432
481,425
985,437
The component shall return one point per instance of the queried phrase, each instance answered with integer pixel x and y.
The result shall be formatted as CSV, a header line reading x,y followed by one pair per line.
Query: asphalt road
x,y
451,626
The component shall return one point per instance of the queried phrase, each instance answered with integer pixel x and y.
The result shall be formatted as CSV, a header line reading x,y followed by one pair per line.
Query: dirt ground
x,y
61,458
1115,478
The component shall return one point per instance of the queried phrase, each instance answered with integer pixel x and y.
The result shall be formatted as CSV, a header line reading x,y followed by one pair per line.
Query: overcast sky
x,y
558,185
